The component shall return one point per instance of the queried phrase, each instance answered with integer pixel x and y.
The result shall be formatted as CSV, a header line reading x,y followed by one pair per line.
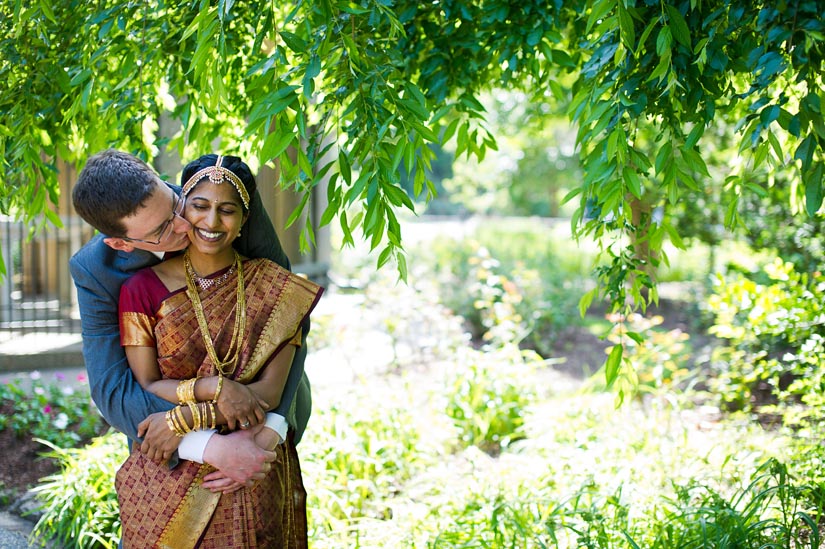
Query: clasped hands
x,y
241,457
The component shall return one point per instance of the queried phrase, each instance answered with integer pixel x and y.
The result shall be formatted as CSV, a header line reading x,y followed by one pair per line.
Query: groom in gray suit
x,y
139,218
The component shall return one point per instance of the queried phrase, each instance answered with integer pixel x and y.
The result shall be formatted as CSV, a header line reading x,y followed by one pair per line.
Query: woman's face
x,y
216,214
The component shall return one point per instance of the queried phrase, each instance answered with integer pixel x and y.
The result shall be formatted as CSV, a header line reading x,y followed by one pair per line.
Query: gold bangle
x,y
210,418
180,392
197,424
182,423
171,423
218,388
185,390
174,424
190,393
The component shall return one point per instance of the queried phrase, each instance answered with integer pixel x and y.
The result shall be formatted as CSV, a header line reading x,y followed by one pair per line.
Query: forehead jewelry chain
x,y
234,350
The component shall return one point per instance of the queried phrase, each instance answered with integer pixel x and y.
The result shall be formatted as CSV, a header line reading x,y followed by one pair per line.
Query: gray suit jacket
x,y
98,272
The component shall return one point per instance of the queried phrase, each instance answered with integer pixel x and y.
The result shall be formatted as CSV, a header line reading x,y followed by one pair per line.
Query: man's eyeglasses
x,y
165,230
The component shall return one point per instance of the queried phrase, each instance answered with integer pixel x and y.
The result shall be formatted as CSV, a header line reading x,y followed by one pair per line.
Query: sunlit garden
x,y
443,418
575,289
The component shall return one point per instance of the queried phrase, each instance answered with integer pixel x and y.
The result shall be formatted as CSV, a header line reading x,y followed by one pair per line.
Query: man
x,y
140,218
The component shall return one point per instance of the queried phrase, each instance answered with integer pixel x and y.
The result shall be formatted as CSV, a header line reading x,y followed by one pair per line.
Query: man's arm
x,y
114,389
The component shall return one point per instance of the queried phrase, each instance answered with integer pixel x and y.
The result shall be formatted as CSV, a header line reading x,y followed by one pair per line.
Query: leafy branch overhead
x,y
354,93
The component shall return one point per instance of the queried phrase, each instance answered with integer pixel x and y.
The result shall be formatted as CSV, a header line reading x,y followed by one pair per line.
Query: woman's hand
x,y
159,443
240,406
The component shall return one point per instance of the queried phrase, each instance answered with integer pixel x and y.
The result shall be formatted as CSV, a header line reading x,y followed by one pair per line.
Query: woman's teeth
x,y
208,235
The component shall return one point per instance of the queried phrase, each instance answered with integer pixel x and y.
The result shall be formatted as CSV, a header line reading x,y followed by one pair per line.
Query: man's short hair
x,y
112,186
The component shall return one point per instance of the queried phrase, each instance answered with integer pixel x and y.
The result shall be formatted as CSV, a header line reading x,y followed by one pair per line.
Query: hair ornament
x,y
217,174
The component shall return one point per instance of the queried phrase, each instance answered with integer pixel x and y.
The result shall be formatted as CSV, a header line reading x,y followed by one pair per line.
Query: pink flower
x,y
81,377
47,409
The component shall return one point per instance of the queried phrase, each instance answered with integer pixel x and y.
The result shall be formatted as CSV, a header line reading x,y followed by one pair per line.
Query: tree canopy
x,y
354,92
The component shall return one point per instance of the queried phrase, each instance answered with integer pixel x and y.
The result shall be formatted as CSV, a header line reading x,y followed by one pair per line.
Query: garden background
x,y
576,294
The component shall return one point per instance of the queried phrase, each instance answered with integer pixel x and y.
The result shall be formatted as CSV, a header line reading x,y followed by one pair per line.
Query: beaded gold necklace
x,y
234,350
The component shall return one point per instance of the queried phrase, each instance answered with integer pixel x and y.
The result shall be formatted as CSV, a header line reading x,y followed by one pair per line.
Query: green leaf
x,y
401,261
611,366
275,144
675,239
693,138
631,179
344,166
586,300
678,25
80,77
664,157
769,114
813,190
597,12
805,152
627,28
329,213
635,336
294,42
663,42
296,213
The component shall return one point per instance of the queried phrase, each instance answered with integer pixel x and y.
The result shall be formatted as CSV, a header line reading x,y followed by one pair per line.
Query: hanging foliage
x,y
354,92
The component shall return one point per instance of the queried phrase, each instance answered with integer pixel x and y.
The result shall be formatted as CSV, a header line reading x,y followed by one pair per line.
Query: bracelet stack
x,y
186,391
204,415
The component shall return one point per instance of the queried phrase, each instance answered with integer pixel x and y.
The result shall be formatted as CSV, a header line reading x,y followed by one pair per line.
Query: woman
x,y
220,345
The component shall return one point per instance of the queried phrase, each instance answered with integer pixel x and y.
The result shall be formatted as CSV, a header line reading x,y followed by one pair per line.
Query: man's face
x,y
159,225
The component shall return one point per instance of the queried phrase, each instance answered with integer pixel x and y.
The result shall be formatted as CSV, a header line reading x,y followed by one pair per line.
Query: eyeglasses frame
x,y
177,211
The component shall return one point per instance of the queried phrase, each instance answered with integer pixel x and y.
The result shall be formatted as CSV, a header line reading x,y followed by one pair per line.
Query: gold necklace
x,y
204,283
234,350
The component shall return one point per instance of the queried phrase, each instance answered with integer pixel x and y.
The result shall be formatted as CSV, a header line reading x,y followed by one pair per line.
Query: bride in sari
x,y
214,333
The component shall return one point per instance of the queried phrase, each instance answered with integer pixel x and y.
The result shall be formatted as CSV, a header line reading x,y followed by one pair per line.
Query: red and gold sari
x,y
168,508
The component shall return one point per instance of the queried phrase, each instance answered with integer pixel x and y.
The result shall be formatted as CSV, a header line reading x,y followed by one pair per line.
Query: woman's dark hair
x,y
231,163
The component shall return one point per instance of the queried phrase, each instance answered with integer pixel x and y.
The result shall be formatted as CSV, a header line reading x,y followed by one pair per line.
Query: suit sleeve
x,y
114,389
259,239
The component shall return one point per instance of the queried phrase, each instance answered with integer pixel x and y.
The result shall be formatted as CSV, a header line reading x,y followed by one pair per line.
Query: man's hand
x,y
240,407
159,442
238,459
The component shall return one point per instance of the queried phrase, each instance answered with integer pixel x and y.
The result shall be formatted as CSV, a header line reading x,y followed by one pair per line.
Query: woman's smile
x,y
209,236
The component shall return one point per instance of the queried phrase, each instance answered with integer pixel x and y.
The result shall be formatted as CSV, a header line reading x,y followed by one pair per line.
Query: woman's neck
x,y
206,264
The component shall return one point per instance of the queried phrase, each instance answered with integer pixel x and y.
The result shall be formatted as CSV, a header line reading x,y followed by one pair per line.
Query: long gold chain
x,y
234,350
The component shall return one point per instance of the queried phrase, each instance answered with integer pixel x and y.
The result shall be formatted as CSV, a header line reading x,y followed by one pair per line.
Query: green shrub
x,y
362,459
56,412
522,274
766,514
487,397
79,503
774,332
658,357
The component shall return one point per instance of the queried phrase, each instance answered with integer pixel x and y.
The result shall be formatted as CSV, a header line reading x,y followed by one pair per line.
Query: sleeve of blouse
x,y
137,319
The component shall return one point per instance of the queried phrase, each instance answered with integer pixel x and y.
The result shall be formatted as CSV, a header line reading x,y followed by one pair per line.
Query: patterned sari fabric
x,y
168,508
